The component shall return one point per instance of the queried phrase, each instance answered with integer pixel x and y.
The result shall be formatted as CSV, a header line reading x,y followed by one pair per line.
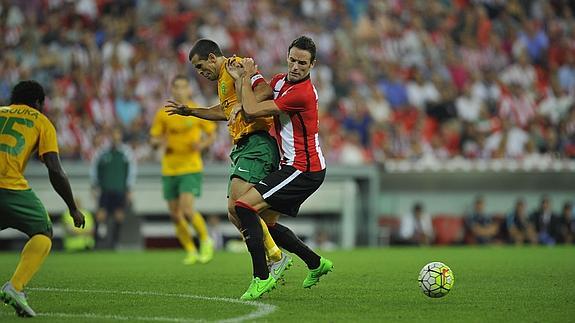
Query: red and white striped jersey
x,y
297,125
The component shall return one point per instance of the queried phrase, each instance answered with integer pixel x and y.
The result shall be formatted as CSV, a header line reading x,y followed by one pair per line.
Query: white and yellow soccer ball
x,y
436,279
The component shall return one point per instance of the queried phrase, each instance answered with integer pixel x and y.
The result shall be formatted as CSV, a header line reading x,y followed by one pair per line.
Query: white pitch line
x,y
116,317
262,309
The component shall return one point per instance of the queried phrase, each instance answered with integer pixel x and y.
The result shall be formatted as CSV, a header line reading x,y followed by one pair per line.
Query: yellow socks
x,y
184,236
200,226
272,251
32,257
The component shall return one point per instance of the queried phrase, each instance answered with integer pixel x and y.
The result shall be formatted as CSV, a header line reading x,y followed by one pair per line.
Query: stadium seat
x,y
388,226
448,229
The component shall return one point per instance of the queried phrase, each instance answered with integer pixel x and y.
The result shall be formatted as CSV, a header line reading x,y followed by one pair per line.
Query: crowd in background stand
x,y
407,80
542,225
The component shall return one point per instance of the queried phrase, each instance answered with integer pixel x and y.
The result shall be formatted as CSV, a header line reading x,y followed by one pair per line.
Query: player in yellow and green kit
x,y
183,140
24,129
255,153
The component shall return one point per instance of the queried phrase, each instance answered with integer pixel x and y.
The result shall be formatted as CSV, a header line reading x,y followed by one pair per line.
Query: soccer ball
x,y
436,279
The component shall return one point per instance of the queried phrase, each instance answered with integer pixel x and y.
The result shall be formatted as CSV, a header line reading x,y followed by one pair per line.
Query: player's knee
x,y
270,224
234,219
245,205
189,211
48,233
176,217
270,217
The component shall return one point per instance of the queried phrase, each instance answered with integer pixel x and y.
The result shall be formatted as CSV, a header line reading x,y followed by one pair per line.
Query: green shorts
x,y
254,157
23,211
186,183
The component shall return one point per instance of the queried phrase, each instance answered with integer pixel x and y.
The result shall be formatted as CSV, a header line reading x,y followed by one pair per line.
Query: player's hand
x,y
175,107
235,110
79,221
235,68
250,66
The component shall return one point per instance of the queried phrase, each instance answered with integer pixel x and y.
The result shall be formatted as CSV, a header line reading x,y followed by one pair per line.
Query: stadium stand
x,y
406,86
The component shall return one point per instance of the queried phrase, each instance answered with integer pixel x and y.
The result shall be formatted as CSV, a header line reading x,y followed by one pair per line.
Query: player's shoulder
x,y
43,117
305,91
161,112
307,85
276,78
44,124
229,60
279,76
39,119
234,59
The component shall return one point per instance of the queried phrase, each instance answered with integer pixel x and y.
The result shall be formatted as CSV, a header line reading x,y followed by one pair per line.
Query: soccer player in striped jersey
x,y
295,110
23,130
183,140
255,153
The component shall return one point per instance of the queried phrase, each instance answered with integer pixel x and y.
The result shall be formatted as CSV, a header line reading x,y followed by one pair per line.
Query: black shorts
x,y
287,188
112,201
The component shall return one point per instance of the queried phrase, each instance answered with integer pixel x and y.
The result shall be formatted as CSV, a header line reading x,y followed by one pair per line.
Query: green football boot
x,y
325,266
258,287
278,268
206,251
191,258
16,299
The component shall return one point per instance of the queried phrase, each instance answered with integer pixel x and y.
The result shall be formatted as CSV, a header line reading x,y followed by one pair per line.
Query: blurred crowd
x,y
407,80
545,225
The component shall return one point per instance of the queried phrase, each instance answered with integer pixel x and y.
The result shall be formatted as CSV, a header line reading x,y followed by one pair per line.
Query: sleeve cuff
x,y
256,79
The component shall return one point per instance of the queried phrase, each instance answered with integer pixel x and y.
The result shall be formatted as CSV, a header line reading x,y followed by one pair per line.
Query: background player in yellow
x,y
24,129
183,140
255,153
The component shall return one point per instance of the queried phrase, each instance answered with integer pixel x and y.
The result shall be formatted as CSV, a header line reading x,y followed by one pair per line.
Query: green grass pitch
x,y
492,284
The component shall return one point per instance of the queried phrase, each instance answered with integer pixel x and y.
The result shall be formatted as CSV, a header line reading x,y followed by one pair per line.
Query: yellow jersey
x,y
22,130
228,98
181,134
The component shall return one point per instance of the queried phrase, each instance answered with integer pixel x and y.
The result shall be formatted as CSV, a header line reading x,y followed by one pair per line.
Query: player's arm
x,y
262,90
61,185
261,94
157,130
251,106
213,113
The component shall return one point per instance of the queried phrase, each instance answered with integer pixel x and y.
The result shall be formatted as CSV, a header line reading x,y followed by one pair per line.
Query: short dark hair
x,y
179,77
29,93
304,43
203,47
